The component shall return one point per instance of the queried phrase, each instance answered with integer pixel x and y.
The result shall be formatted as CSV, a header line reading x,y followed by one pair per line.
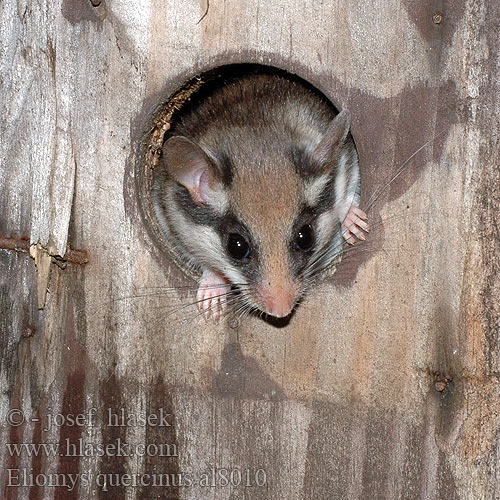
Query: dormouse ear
x,y
191,167
327,151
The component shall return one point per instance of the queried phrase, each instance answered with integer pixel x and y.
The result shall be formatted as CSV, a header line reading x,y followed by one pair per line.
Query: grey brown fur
x,y
274,161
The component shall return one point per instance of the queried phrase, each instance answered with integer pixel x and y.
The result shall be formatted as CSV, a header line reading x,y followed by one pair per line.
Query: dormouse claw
x,y
211,296
354,225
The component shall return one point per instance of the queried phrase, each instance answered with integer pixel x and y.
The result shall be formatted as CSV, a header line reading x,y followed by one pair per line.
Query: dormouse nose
x,y
278,299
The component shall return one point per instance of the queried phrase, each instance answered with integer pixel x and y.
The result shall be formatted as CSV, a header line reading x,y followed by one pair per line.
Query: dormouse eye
x,y
238,247
305,238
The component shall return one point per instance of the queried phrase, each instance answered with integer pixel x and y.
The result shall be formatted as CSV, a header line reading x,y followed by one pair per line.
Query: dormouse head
x,y
266,221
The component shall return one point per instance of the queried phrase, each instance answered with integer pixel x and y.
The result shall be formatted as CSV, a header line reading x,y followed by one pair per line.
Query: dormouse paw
x,y
354,224
213,290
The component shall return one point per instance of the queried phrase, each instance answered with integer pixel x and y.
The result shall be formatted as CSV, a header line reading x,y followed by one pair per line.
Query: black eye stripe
x,y
198,214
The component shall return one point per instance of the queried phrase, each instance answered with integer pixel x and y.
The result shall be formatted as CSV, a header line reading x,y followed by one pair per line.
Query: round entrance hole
x,y
170,121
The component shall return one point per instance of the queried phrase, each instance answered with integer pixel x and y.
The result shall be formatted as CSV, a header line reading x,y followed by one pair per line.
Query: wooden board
x,y
385,383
